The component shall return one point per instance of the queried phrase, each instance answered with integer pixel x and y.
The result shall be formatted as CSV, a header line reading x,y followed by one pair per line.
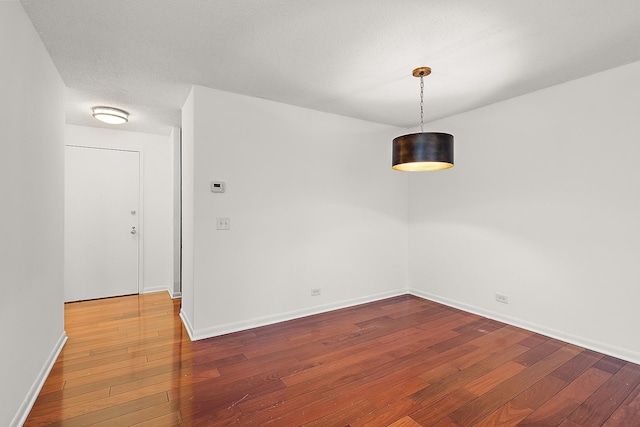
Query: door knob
x,y
133,230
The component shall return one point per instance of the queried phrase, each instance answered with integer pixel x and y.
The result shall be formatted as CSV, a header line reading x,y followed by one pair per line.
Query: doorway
x,y
102,223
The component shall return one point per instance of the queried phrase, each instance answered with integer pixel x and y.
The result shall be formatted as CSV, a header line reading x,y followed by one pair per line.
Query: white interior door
x,y
102,198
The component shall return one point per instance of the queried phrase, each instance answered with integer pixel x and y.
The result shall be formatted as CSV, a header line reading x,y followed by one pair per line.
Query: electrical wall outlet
x,y
223,223
502,298
315,292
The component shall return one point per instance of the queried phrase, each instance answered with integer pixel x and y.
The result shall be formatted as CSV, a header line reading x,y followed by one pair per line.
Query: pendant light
x,y
424,151
113,116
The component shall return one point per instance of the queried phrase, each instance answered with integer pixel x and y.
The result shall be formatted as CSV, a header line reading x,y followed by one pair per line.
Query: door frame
x,y
140,239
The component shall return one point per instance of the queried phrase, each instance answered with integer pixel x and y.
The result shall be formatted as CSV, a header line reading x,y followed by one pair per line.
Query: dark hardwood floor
x,y
403,362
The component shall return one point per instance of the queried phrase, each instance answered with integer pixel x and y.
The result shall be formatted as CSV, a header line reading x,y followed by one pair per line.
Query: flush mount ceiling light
x,y
110,115
424,151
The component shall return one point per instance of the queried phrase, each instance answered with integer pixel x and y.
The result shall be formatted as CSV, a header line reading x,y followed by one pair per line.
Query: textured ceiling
x,y
348,57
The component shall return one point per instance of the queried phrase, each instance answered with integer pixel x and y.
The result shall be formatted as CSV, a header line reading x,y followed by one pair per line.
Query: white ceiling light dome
x,y
110,115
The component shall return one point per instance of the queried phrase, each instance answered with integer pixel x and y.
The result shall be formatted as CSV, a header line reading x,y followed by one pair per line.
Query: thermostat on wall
x,y
218,186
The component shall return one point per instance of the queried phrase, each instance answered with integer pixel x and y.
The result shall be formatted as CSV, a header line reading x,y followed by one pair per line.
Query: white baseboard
x,y
187,325
600,347
34,391
152,289
172,293
611,350
228,328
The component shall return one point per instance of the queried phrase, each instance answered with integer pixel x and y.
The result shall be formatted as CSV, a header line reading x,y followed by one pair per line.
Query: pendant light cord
x,y
422,101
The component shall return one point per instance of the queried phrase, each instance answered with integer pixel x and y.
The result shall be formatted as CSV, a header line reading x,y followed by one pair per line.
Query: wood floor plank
x,y
387,414
276,405
633,400
144,415
81,404
402,361
145,388
342,413
551,413
108,413
105,367
538,353
621,417
46,409
534,340
488,345
610,364
446,422
125,375
168,420
436,373
491,379
585,385
432,414
68,369
576,366
603,402
539,393
405,422
165,378
492,400
438,390
505,416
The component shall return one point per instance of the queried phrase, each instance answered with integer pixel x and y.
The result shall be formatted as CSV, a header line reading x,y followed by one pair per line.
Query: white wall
x,y
157,182
542,206
175,161
31,185
187,194
313,203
